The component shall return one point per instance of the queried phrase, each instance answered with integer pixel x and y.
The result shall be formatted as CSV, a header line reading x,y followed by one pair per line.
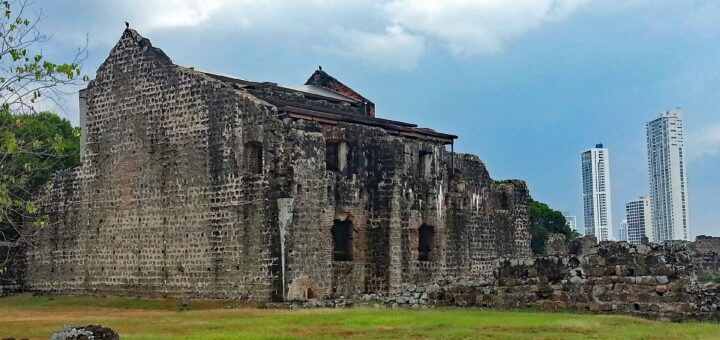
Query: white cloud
x,y
286,15
394,48
466,27
705,142
183,13
344,28
386,33
476,27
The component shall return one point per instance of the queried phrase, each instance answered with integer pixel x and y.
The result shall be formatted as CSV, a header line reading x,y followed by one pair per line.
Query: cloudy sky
x,y
526,84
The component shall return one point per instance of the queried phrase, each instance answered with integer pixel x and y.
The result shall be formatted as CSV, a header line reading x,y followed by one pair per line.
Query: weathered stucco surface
x,y
199,185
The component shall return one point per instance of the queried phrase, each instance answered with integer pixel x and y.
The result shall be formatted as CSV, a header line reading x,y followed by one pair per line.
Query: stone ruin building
x,y
198,185
195,184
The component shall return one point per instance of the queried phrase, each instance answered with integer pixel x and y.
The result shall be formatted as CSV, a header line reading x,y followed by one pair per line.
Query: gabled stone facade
x,y
200,185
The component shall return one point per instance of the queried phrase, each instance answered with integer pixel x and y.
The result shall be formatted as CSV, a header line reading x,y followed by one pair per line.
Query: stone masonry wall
x,y
706,254
163,202
654,281
12,268
381,192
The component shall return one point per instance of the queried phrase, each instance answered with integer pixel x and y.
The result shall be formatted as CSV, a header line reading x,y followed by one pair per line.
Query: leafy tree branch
x,y
26,75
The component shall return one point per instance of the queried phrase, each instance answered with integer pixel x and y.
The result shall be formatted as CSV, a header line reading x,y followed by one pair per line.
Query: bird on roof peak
x,y
319,67
127,25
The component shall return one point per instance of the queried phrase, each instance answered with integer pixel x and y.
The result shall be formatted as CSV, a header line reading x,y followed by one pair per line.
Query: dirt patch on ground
x,y
334,331
528,330
34,316
341,332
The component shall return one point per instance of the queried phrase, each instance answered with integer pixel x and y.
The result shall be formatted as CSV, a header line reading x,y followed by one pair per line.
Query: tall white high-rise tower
x,y
668,177
571,222
596,192
639,219
622,231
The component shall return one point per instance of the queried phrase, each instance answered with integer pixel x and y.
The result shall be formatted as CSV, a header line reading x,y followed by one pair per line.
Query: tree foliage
x,y
32,145
543,221
26,75
32,148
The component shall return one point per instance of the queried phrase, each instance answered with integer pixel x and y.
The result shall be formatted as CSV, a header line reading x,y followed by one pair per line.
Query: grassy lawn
x,y
38,317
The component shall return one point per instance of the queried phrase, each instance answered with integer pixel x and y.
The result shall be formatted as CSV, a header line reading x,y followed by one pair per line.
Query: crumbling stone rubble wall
x,y
556,244
707,254
12,268
707,244
197,185
654,281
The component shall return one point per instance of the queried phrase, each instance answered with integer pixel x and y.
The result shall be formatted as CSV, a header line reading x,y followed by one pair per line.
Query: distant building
x,y
571,222
639,220
622,231
596,192
668,177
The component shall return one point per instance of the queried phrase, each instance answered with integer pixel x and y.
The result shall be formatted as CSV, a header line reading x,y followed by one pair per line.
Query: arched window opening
x,y
342,240
426,240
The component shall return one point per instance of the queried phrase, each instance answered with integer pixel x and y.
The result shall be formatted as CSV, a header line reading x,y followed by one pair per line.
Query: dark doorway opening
x,y
426,239
342,240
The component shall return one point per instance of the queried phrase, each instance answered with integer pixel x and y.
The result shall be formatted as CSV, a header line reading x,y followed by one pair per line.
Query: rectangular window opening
x,y
331,156
336,155
253,157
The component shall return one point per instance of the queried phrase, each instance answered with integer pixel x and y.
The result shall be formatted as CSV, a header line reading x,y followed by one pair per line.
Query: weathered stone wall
x,y
706,255
192,184
707,244
12,268
657,281
55,253
162,203
556,244
382,193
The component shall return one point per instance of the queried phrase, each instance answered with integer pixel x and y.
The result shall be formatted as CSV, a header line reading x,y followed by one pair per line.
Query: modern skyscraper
x,y
596,192
571,222
668,177
622,231
639,219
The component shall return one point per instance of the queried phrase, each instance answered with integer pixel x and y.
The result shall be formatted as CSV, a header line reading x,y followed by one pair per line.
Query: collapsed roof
x,y
326,100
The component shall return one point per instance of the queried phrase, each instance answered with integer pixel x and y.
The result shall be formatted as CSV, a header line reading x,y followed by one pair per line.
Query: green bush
x,y
543,221
709,277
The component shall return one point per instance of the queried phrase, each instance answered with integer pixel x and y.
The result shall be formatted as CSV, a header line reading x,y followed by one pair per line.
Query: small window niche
x,y
335,155
426,242
254,157
504,201
342,240
425,165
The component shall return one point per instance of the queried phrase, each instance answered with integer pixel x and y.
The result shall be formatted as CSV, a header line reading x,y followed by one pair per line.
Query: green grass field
x,y
37,317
